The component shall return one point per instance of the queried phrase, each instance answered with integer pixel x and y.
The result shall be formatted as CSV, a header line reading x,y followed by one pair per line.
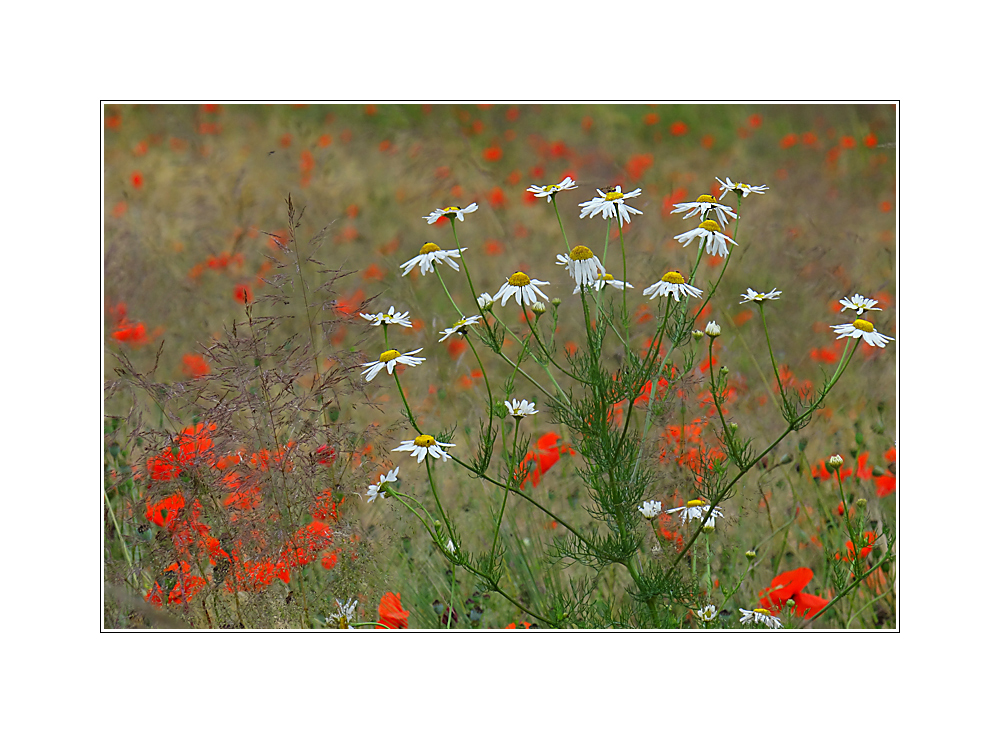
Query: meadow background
x,y
196,225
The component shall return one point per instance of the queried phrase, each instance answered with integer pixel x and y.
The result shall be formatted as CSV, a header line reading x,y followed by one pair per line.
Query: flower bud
x,y
712,329
734,426
698,335
557,302
708,528
835,461
862,503
790,603
724,371
539,308
751,555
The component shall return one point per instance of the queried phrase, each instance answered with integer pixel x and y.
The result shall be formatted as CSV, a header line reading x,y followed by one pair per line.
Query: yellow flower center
x,y
549,187
456,324
673,277
694,503
389,355
613,195
607,276
425,441
863,325
581,253
711,226
428,248
518,280
763,611
342,622
707,199
446,209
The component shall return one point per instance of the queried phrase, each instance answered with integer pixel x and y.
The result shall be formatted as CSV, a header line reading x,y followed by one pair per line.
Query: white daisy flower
x,y
610,203
344,615
650,509
450,546
520,409
400,319
707,613
712,238
672,282
703,206
389,359
430,253
582,264
459,326
695,510
485,301
741,189
859,303
862,329
423,445
523,288
550,191
760,616
375,490
604,281
712,329
753,295
451,212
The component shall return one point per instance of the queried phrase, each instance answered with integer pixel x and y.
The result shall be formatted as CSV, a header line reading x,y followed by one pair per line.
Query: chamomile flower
x,y
712,330
703,207
741,189
550,191
460,326
610,203
859,303
760,616
672,283
712,238
450,546
430,254
485,301
389,359
862,329
343,616
524,289
650,509
393,316
695,510
707,613
375,490
423,445
582,264
517,410
604,281
452,212
752,295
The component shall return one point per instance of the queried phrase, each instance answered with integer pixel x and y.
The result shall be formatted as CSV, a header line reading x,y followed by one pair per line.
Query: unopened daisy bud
x,y
734,426
708,528
862,503
835,461
485,302
790,603
437,524
724,371
539,308
751,555
712,329
557,302
698,335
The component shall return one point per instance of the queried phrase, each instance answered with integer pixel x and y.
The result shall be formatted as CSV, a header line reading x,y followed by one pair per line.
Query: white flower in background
x,y
524,289
389,359
375,490
760,616
703,207
450,547
672,283
753,295
423,445
451,212
485,301
461,325
862,329
707,613
604,281
695,510
582,264
650,509
400,319
741,189
712,238
520,409
550,191
859,303
610,203
712,329
430,253
344,615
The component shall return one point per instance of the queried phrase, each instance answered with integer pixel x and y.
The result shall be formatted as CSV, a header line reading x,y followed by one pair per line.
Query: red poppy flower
x,y
242,294
788,586
391,613
788,141
493,153
195,365
678,128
